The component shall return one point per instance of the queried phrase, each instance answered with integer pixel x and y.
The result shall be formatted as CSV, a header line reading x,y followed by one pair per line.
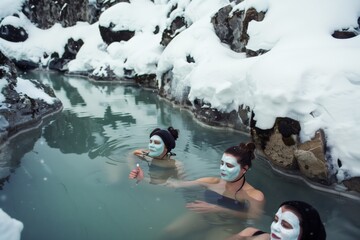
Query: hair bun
x,y
250,146
174,132
242,145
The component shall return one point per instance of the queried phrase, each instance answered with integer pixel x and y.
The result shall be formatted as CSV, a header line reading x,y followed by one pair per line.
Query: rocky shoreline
x,y
281,144
20,111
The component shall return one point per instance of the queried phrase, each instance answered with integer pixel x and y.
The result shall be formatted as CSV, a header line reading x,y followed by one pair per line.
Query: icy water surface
x,y
68,179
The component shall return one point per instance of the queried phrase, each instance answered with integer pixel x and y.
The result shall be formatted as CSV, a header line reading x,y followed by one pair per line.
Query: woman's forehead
x,y
285,209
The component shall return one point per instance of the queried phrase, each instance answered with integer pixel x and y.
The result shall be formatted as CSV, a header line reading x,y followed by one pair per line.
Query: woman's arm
x,y
253,206
198,182
141,152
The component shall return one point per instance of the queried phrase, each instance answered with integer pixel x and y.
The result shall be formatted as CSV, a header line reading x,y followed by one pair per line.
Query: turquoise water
x,y
68,179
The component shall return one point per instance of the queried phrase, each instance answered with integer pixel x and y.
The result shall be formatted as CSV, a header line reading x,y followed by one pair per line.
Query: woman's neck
x,y
161,157
237,184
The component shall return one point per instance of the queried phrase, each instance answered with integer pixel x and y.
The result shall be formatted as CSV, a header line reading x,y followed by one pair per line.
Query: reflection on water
x,y
69,178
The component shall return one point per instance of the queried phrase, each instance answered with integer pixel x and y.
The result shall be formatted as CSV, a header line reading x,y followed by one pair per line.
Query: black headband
x,y
166,136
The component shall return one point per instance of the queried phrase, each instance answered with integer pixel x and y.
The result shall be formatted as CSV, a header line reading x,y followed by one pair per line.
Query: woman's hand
x,y
141,152
137,174
203,207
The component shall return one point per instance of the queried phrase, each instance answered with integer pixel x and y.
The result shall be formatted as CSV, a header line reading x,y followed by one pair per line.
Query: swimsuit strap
x,y
243,176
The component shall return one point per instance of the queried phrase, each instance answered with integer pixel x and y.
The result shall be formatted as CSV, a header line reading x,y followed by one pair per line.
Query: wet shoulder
x,y
255,194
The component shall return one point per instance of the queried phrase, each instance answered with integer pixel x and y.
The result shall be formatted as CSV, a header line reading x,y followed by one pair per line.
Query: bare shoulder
x,y
256,194
247,232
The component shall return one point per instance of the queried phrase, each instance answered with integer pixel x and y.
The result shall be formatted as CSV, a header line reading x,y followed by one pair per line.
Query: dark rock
x,y
251,14
220,22
109,36
157,30
251,53
353,184
344,34
166,80
103,74
25,65
146,80
13,34
211,116
172,31
173,7
347,33
20,111
9,71
232,30
46,13
190,59
259,136
72,47
244,114
58,64
288,127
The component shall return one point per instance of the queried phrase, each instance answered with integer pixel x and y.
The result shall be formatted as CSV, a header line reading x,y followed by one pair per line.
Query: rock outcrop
x,y
231,28
347,33
66,12
20,111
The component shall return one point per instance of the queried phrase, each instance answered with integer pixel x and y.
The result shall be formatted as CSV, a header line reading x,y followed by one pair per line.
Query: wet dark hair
x,y
169,136
310,221
244,153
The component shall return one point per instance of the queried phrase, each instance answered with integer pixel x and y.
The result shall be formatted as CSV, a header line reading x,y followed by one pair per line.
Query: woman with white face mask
x,y
228,197
158,156
160,144
294,220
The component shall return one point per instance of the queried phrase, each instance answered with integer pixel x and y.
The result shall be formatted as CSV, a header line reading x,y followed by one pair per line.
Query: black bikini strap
x,y
243,176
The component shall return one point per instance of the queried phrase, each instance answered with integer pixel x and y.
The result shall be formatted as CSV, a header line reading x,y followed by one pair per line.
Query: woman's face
x,y
156,146
286,225
229,167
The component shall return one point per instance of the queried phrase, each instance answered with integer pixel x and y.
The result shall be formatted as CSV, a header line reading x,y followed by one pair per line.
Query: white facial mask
x,y
229,173
156,149
280,231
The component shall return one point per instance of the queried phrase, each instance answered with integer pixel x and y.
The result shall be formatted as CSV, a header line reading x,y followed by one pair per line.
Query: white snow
x,y
10,228
24,86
